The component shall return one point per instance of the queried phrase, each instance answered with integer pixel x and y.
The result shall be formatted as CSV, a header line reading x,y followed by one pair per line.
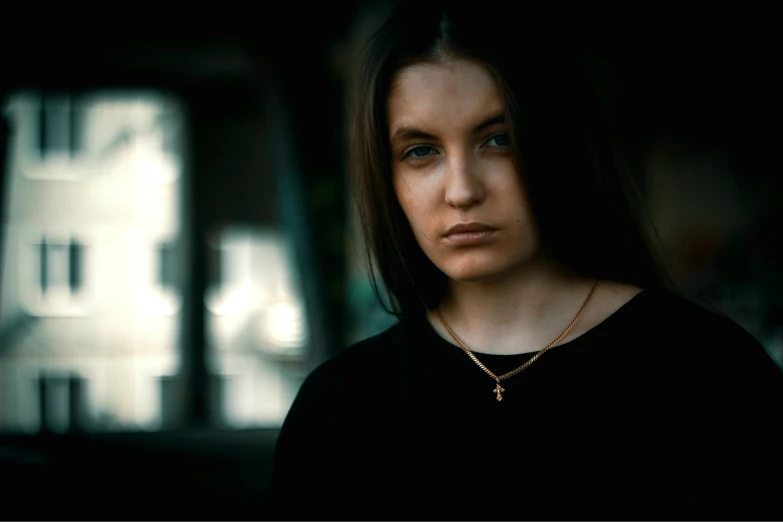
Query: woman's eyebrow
x,y
408,133
489,122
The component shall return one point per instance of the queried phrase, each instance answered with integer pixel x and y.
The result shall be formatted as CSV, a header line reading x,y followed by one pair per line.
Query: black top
x,y
663,411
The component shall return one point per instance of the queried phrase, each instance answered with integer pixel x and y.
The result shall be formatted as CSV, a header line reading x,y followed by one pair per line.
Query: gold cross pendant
x,y
497,390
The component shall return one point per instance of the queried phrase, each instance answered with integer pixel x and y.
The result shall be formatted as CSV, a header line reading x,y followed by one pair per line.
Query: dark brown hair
x,y
588,210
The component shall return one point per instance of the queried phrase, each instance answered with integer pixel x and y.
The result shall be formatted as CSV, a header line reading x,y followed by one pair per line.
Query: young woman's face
x,y
454,172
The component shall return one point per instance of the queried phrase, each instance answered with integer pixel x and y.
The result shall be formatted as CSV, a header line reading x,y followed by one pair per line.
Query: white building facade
x,y
89,303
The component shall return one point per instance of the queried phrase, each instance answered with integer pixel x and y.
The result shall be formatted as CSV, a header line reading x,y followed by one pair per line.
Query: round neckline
x,y
575,343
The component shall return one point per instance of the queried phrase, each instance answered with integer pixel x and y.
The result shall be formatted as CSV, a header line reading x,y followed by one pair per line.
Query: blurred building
x,y
91,274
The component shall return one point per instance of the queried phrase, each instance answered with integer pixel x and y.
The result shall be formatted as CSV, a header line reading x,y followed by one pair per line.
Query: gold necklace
x,y
498,389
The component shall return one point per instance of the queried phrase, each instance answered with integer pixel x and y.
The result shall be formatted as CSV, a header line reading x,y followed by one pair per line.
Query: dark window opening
x,y
166,265
60,265
44,269
61,127
75,258
75,127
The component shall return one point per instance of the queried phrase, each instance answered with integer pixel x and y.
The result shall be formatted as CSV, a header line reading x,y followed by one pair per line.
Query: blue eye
x,y
500,140
420,151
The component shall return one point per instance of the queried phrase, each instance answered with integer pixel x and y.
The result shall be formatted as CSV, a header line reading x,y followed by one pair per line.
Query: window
x,y
156,274
53,278
79,136
60,267
60,126
166,265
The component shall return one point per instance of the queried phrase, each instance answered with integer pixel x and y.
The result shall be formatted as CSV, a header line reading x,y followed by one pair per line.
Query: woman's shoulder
x,y
371,354
338,385
375,348
664,336
664,308
658,307
667,321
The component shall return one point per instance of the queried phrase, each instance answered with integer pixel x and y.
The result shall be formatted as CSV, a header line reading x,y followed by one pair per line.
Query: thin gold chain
x,y
533,359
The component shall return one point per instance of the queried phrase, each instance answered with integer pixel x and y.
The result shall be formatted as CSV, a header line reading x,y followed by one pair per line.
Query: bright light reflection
x,y
284,326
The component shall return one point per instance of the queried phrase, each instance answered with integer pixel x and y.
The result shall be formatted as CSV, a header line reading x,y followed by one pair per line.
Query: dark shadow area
x,y
176,475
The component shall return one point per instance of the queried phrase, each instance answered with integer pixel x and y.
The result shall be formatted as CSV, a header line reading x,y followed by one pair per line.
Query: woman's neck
x,y
516,314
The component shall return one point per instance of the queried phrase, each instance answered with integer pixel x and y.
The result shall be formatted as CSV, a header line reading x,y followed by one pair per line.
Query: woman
x,y
540,368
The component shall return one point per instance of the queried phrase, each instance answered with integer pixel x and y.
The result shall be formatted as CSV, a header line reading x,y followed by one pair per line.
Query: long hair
x,y
589,212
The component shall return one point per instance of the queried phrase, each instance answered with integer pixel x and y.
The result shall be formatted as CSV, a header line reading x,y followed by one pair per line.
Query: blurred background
x,y
178,248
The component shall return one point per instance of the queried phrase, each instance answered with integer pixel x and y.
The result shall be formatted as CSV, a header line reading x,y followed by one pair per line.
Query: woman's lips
x,y
469,233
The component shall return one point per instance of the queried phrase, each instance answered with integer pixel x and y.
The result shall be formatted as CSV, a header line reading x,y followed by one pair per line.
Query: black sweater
x,y
662,411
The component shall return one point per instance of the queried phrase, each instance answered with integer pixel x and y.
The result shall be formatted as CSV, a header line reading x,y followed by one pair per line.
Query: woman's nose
x,y
464,187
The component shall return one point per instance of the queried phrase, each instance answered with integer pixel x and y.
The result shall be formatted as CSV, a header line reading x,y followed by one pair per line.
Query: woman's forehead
x,y
455,90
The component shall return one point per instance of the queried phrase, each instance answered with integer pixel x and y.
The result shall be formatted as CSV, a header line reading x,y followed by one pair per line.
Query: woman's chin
x,y
490,270
476,274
